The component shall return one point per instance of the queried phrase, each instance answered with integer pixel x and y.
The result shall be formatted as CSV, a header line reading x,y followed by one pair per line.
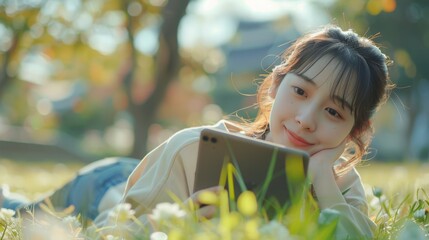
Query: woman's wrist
x,y
325,188
319,171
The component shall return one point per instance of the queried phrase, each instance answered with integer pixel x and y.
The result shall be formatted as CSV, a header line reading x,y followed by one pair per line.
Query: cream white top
x,y
170,168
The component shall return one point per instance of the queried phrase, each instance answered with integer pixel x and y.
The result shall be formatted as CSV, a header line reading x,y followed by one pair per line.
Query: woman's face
x,y
304,115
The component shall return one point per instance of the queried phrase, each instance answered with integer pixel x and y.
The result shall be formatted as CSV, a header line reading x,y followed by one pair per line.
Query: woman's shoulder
x,y
193,133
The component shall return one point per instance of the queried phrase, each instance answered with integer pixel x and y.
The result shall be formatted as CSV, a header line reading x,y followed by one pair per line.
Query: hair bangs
x,y
352,83
343,87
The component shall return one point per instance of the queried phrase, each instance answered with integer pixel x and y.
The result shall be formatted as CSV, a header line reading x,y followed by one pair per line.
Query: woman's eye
x,y
299,91
333,112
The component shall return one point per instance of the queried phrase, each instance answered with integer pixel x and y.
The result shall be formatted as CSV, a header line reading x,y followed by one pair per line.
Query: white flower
x,y
375,203
275,230
158,236
9,226
165,211
72,221
111,237
6,214
122,213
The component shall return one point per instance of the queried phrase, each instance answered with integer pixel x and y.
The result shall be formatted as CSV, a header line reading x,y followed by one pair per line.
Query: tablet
x,y
274,172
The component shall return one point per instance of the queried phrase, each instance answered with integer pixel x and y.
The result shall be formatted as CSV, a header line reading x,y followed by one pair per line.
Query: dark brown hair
x,y
363,70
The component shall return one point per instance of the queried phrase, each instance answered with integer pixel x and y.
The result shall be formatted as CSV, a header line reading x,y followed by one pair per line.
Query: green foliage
x,y
10,227
408,220
400,215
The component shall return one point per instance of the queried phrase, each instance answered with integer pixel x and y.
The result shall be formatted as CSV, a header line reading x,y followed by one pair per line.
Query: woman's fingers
x,y
325,159
206,212
203,209
197,195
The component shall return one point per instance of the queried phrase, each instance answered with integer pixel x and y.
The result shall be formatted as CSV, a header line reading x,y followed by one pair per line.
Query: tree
x,y
166,66
65,37
14,23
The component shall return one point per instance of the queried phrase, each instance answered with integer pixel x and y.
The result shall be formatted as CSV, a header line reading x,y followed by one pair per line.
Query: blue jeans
x,y
87,189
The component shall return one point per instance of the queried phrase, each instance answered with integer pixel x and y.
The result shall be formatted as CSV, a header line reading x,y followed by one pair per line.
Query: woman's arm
x,y
351,205
322,176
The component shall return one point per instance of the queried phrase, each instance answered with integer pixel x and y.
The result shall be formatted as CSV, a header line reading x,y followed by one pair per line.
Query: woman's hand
x,y
203,211
323,161
321,173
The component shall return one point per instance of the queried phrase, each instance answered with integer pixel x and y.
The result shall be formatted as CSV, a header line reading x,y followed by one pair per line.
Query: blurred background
x,y
84,79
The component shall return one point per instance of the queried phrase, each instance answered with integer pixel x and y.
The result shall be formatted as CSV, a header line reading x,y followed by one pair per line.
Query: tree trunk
x,y
167,64
5,78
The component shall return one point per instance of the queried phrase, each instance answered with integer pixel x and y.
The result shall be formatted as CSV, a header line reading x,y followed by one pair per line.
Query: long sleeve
x,y
354,221
168,169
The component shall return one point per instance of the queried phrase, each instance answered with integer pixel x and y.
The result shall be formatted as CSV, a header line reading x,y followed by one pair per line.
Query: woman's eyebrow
x,y
336,98
343,102
307,79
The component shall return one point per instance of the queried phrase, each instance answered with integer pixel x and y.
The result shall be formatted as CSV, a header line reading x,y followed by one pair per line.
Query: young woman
x,y
320,99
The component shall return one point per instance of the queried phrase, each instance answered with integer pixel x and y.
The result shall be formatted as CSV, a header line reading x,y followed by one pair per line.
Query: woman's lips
x,y
297,140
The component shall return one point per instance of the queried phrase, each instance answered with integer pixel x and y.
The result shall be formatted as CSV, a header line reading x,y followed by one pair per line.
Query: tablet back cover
x,y
272,171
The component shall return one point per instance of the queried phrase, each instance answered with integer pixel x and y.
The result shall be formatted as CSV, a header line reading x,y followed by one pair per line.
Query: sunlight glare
x,y
44,107
193,30
83,21
134,9
35,68
103,39
212,113
146,41
307,16
203,84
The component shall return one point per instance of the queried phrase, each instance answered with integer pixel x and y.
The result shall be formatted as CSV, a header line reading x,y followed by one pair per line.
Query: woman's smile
x,y
296,140
304,113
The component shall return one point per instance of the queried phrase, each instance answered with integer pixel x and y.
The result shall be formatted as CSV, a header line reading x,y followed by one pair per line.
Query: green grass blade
x,y
269,177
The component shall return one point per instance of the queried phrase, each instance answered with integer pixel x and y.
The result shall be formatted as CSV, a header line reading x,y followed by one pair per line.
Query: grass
x,y
399,207
34,179
17,174
395,176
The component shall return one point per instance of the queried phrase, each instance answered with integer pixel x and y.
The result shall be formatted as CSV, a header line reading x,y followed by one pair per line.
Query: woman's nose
x,y
306,118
